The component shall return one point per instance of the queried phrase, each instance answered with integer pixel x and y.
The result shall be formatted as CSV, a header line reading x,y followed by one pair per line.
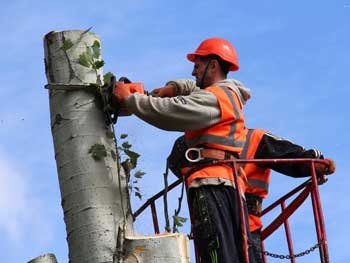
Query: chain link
x,y
306,252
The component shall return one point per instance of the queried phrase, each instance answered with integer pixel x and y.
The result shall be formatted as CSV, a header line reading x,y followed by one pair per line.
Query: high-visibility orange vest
x,y
226,135
258,178
255,222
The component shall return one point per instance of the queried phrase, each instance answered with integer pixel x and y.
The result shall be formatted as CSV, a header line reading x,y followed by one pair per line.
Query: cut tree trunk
x,y
94,192
47,258
94,197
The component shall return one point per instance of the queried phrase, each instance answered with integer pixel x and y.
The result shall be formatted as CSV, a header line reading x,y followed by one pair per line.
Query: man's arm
x,y
196,111
176,87
273,147
184,86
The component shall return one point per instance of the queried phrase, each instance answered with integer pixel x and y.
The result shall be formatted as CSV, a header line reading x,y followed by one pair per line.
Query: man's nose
x,y
194,72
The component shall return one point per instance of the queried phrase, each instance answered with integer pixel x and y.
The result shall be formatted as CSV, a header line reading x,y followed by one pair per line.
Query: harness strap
x,y
195,155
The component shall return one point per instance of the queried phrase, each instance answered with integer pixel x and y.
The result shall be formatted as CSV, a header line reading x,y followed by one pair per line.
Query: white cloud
x,y
21,213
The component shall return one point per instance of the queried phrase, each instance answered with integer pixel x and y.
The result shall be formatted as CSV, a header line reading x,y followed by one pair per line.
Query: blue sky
x,y
294,56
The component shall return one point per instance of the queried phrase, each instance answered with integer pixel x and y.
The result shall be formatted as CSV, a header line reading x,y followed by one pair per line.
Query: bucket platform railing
x,y
299,195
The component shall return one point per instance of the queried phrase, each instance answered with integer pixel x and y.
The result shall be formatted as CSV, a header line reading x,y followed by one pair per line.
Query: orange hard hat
x,y
217,46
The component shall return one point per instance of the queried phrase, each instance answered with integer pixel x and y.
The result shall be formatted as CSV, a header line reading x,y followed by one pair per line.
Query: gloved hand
x,y
166,91
323,168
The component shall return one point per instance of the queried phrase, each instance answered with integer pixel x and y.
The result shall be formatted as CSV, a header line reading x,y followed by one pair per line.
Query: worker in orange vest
x,y
264,145
259,145
211,117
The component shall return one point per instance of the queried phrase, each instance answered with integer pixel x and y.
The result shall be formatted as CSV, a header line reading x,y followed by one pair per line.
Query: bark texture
x,y
47,258
169,247
94,193
94,197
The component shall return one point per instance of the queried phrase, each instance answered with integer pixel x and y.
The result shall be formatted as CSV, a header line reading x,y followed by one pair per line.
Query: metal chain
x,y
306,252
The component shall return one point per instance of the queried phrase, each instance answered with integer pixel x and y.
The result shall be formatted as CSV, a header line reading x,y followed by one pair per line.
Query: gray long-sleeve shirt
x,y
191,109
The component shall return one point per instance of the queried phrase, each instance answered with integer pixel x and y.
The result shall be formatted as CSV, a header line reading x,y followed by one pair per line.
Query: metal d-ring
x,y
198,155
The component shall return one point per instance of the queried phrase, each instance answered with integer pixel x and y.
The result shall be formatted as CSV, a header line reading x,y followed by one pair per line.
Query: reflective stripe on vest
x,y
244,153
257,177
228,133
258,183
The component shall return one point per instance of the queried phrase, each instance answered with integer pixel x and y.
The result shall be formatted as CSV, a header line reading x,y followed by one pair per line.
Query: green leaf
x,y
90,52
182,219
126,145
138,174
110,134
98,64
85,60
107,79
96,49
178,220
67,44
133,157
123,135
98,151
139,195
96,44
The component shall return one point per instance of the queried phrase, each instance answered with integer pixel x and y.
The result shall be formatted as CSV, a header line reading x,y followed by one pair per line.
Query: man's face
x,y
198,71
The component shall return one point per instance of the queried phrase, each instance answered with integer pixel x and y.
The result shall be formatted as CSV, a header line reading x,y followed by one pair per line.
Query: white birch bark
x,y
168,247
47,258
94,198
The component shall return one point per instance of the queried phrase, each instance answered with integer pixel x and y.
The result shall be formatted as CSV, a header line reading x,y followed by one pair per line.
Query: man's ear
x,y
215,64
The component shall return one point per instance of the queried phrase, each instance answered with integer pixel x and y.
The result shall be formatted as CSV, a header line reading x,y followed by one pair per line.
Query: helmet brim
x,y
192,57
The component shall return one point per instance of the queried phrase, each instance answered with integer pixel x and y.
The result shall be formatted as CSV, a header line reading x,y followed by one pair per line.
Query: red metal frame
x,y
310,187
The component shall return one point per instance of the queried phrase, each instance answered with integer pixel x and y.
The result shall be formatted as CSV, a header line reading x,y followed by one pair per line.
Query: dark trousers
x,y
216,225
256,243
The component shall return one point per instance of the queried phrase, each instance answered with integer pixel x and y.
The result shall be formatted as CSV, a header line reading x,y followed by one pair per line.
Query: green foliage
x,y
98,151
85,60
129,164
178,221
107,77
95,49
123,136
91,57
138,174
98,64
138,193
131,155
110,134
67,44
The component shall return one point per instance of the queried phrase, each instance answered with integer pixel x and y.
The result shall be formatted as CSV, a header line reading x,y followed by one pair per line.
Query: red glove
x,y
323,168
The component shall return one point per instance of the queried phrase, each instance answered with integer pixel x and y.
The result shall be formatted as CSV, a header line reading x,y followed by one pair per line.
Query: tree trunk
x,y
167,247
47,258
94,193
94,197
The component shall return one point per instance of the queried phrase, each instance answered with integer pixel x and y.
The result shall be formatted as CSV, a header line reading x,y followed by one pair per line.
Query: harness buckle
x,y
196,152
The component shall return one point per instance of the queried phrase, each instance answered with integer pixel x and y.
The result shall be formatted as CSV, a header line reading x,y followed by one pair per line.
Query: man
x,y
263,145
259,145
212,119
